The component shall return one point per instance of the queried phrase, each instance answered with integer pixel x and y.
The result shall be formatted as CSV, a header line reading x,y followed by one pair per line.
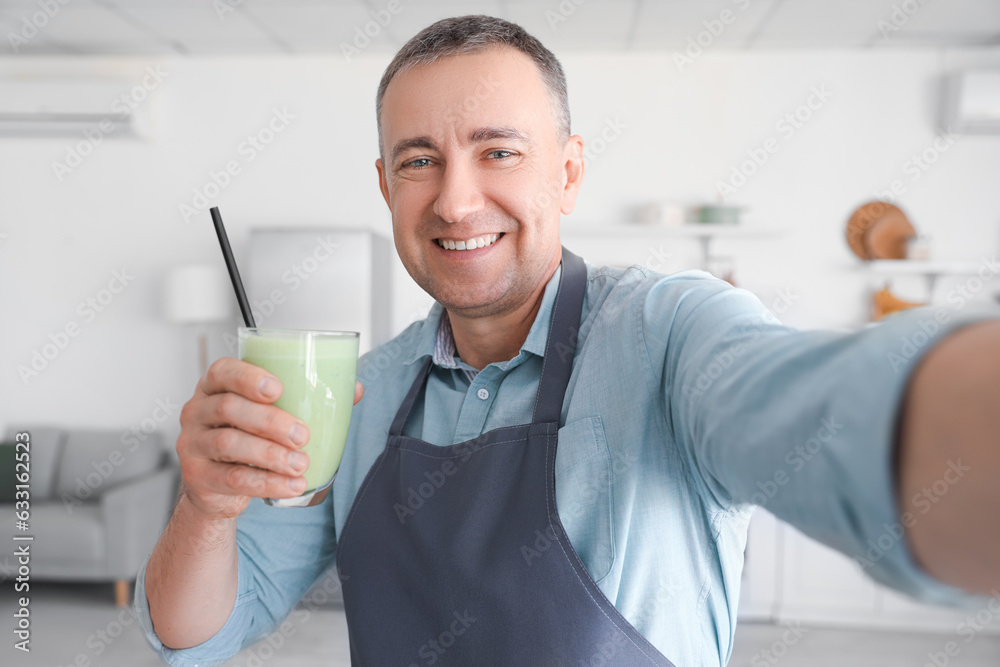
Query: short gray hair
x,y
472,34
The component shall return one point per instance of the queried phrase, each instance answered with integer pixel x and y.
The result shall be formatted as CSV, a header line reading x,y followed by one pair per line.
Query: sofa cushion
x,y
68,542
46,447
96,461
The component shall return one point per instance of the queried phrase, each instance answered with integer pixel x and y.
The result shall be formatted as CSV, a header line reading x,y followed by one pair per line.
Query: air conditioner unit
x,y
972,102
53,108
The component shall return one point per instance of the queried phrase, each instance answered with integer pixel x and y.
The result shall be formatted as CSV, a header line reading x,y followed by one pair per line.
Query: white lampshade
x,y
198,293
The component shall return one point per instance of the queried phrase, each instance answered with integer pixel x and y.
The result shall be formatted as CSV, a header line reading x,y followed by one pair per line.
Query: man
x,y
556,466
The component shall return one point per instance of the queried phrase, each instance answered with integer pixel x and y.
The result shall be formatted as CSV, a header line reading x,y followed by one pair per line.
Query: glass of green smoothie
x,y
317,370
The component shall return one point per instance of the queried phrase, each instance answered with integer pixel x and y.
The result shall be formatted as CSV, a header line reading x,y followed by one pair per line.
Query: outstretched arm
x,y
949,460
881,443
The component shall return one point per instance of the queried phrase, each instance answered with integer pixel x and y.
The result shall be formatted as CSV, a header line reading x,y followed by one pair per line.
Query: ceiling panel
x,y
314,28
590,26
957,22
90,28
811,24
671,26
416,15
956,16
322,26
201,29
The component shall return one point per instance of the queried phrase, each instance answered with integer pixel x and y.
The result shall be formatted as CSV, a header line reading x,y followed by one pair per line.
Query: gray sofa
x,y
99,502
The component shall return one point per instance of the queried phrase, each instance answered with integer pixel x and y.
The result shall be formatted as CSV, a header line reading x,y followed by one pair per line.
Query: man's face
x,y
472,152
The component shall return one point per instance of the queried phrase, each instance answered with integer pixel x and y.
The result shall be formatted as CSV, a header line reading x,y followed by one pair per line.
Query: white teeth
x,y
471,244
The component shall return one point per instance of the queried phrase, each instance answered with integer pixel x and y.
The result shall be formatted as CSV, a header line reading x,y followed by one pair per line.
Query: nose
x,y
461,193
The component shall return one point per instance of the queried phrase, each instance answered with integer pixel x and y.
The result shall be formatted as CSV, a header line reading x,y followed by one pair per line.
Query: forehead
x,y
495,87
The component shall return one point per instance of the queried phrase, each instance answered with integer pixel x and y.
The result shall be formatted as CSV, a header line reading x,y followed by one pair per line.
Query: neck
x,y
481,341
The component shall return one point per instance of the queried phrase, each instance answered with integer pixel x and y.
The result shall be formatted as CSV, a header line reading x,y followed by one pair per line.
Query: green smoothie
x,y
318,371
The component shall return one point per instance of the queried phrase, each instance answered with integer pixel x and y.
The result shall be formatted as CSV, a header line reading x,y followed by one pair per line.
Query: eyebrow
x,y
490,133
479,135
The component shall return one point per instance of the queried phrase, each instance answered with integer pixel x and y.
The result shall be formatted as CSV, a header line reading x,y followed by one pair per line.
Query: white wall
x,y
685,131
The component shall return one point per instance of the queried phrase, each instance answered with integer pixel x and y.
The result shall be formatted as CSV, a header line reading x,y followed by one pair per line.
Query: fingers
x,y
266,421
359,391
229,445
239,377
235,479
230,462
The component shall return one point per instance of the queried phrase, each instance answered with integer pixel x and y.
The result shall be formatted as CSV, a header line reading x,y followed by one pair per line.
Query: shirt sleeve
x,y
281,552
800,422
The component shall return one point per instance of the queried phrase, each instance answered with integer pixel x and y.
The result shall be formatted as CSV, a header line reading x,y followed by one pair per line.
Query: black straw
x,y
234,273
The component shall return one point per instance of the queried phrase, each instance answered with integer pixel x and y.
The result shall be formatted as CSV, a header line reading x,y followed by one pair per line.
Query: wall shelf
x,y
705,233
931,270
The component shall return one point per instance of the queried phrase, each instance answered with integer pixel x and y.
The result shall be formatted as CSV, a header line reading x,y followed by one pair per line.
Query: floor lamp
x,y
198,294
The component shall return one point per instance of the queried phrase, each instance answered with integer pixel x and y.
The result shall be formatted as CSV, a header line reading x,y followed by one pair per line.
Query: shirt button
x,y
483,393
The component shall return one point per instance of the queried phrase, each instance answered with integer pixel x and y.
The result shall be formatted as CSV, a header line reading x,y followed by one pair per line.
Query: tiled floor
x,y
79,625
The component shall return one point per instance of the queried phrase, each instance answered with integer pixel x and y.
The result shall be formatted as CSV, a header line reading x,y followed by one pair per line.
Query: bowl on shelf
x,y
879,230
718,214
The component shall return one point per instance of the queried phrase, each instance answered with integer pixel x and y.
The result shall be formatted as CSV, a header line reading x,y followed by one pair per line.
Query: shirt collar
x,y
436,340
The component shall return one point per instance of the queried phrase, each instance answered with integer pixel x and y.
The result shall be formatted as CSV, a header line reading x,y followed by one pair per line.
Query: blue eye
x,y
415,165
502,153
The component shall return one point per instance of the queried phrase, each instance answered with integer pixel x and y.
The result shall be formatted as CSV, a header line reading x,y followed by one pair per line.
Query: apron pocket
x,y
584,493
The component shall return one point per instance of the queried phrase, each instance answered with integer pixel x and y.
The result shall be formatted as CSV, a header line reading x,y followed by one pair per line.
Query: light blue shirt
x,y
689,404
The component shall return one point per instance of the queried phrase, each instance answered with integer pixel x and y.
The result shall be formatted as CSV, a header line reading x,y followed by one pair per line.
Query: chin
x,y
470,305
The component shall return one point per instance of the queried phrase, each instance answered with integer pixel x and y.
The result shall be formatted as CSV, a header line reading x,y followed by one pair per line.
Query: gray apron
x,y
456,555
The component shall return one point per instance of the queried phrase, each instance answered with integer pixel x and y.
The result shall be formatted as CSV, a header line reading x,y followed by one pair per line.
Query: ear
x,y
383,182
573,168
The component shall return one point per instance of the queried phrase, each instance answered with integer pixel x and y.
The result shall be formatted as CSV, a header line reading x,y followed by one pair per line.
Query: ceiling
x,y
196,27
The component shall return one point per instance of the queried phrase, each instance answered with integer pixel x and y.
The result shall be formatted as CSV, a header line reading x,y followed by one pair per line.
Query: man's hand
x,y
234,445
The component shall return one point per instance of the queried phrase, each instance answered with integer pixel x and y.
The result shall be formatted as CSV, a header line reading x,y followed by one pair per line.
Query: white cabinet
x,y
791,577
820,585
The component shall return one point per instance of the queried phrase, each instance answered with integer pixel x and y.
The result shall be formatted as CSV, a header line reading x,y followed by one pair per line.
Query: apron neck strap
x,y
560,348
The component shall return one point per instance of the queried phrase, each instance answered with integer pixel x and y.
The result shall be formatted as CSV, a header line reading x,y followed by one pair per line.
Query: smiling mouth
x,y
469,244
